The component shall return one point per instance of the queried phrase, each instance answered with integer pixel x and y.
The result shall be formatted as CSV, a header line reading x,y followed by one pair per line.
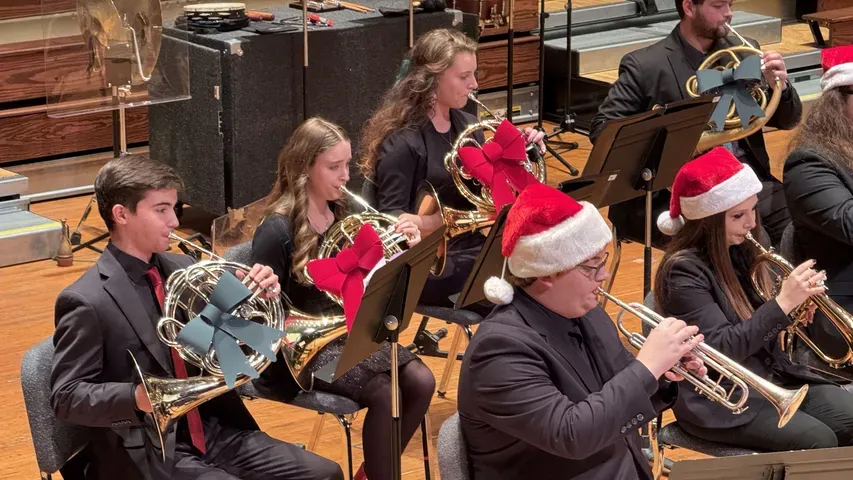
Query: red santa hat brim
x,y
564,246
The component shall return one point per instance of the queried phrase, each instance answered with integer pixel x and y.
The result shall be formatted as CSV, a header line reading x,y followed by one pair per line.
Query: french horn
x,y
455,221
733,129
187,293
840,318
306,335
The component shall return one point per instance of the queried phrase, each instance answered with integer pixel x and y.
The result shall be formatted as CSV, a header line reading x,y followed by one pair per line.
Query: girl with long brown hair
x,y
704,280
406,139
303,204
818,182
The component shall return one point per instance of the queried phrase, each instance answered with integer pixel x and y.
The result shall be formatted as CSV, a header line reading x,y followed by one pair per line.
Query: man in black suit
x,y
112,310
657,75
547,390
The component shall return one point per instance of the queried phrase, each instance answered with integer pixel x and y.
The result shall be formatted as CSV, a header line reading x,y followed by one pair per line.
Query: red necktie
x,y
193,417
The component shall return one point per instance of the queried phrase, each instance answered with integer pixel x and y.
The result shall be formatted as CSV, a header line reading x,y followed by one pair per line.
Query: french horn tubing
x,y
840,318
733,129
187,292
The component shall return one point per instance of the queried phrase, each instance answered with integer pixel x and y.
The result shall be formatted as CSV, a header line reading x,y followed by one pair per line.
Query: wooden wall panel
x,y
25,74
31,8
492,62
37,135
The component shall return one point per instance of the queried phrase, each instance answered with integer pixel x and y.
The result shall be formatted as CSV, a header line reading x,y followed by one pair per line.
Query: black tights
x,y
417,385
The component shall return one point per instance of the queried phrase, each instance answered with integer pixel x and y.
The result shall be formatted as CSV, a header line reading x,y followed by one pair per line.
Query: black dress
x,y
273,245
407,159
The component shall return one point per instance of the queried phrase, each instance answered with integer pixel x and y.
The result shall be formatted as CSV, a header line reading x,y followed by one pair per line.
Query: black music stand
x,y
648,149
821,464
386,308
490,261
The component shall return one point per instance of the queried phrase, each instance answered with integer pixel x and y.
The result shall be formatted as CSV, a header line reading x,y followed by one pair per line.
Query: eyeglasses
x,y
592,272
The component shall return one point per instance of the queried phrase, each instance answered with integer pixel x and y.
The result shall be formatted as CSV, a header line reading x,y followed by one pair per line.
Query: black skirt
x,y
351,383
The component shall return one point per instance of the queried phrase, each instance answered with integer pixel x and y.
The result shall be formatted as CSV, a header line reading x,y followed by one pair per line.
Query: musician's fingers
x,y
673,377
693,365
801,268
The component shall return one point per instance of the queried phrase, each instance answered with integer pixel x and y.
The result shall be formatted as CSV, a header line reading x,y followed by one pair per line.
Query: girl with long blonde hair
x,y
305,201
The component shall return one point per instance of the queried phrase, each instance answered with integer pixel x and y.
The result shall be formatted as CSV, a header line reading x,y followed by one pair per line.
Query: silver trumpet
x,y
786,401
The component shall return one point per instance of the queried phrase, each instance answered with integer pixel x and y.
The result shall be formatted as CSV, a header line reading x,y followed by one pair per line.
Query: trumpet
x,y
840,318
786,401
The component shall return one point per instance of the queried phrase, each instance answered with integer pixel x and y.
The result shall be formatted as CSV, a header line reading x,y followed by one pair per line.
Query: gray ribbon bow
x,y
734,85
214,325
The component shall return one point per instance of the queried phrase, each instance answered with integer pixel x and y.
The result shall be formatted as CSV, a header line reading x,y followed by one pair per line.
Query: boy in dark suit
x,y
658,74
113,309
547,389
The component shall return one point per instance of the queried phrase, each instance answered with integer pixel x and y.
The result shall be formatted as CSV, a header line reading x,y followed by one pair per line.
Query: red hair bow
x,y
497,164
343,275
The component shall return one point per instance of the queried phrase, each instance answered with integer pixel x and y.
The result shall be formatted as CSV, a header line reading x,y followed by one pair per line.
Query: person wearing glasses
x,y
547,390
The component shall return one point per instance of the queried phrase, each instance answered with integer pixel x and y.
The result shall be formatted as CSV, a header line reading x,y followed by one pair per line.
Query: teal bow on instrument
x,y
214,325
734,85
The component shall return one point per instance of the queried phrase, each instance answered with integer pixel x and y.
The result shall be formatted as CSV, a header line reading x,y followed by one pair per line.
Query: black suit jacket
x,y
819,191
99,319
526,407
693,294
657,75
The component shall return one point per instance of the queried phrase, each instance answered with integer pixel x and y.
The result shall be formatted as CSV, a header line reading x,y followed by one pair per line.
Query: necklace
x,y
321,227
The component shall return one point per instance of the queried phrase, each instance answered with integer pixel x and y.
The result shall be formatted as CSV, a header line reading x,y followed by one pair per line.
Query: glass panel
x,y
237,226
108,53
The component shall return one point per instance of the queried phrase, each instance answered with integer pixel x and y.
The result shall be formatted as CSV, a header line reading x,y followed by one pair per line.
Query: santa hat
x,y
708,185
837,65
546,232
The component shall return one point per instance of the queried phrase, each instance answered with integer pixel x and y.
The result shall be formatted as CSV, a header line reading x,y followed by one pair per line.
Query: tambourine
x,y
222,17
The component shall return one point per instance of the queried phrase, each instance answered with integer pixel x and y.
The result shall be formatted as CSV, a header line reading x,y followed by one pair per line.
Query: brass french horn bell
x,y
455,221
187,292
840,318
733,128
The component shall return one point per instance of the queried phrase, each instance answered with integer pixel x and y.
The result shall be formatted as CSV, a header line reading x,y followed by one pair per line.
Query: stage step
x,y
600,52
24,236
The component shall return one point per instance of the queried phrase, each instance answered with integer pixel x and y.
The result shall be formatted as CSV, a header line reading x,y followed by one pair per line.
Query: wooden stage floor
x,y
26,317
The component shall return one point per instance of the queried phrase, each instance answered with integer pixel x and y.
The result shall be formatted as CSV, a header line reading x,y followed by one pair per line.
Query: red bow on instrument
x,y
343,275
497,164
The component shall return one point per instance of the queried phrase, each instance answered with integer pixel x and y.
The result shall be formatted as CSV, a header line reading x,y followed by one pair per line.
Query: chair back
x,y
649,302
368,191
55,442
786,245
240,253
452,451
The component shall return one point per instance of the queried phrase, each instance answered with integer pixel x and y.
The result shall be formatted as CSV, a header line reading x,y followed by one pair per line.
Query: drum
x,y
222,17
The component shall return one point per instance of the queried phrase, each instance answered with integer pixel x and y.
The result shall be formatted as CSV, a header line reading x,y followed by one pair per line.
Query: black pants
x,y
250,455
824,420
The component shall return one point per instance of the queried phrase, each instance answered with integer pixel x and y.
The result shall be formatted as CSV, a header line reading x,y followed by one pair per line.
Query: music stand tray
x,y
819,464
648,149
